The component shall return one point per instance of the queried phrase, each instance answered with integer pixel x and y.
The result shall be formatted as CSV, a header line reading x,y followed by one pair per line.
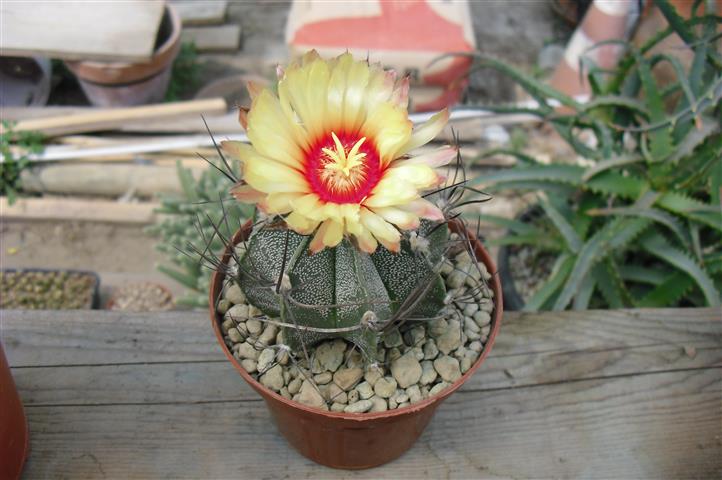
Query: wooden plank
x,y
206,12
217,380
663,425
223,38
106,180
107,31
187,336
105,119
75,209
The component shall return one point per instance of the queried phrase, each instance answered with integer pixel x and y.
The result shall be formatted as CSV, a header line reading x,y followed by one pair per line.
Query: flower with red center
x,y
331,153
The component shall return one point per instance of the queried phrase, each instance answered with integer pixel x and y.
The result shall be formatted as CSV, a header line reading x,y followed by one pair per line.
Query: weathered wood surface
x,y
599,394
107,31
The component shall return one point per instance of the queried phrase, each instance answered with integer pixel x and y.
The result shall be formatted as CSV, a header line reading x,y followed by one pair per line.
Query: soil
x,y
529,269
41,290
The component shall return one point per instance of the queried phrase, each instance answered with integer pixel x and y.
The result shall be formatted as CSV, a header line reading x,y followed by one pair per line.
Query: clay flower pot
x,y
355,440
112,84
13,426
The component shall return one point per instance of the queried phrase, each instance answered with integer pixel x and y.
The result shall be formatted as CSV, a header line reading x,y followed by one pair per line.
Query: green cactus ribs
x,y
342,291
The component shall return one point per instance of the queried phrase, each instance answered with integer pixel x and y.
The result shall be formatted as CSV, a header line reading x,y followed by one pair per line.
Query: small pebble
x,y
346,378
265,359
323,378
249,365
353,396
438,388
268,337
285,393
428,373
430,350
337,407
255,327
295,385
235,335
379,404
414,393
227,325
365,390
237,313
450,339
273,378
482,318
310,396
448,368
223,306
329,356
359,407
234,294
406,370
385,387
373,374
246,350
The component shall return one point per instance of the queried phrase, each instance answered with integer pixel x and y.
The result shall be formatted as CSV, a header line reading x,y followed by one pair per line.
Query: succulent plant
x,y
351,231
190,218
637,222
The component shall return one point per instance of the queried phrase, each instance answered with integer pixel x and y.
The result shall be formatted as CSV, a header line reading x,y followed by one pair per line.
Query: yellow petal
x,y
381,229
269,176
426,132
389,128
400,96
245,193
380,86
424,209
234,149
420,176
329,234
301,224
434,159
272,133
390,192
305,90
366,242
281,203
402,219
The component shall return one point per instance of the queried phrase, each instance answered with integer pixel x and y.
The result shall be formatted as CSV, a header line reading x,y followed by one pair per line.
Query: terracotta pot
x,y
354,440
112,84
13,426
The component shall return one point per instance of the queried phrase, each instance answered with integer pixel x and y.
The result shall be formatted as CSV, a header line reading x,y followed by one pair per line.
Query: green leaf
x,y
187,182
675,21
539,90
586,290
520,156
657,215
515,226
616,101
607,285
188,281
560,270
613,236
571,238
658,246
639,274
567,174
617,161
614,183
668,292
690,208
715,183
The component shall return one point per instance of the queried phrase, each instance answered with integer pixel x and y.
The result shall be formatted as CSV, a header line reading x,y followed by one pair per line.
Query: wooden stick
x,y
75,209
115,117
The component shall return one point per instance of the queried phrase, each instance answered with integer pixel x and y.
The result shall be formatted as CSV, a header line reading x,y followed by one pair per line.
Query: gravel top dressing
x,y
414,362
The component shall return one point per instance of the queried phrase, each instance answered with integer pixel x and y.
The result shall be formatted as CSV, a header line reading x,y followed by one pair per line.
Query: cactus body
x,y
332,291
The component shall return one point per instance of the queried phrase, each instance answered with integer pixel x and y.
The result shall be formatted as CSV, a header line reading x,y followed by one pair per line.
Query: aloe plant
x,y
641,226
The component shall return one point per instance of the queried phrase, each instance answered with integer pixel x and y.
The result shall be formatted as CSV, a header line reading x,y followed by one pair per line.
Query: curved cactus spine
x,y
342,291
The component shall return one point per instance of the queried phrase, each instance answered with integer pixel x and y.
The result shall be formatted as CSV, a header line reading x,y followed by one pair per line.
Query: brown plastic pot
x,y
355,440
112,84
13,426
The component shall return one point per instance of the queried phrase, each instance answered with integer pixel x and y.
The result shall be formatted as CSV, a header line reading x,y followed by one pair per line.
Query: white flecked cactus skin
x,y
342,291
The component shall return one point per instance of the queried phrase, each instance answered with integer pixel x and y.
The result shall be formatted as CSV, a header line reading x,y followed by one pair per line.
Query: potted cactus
x,y
356,300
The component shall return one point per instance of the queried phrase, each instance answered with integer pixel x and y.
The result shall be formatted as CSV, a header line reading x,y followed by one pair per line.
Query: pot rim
x,y
455,226
108,73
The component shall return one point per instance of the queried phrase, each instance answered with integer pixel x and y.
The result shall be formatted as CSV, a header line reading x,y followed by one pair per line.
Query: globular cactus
x,y
342,291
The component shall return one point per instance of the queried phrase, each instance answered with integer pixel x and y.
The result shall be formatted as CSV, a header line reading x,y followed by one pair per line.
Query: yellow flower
x,y
330,153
